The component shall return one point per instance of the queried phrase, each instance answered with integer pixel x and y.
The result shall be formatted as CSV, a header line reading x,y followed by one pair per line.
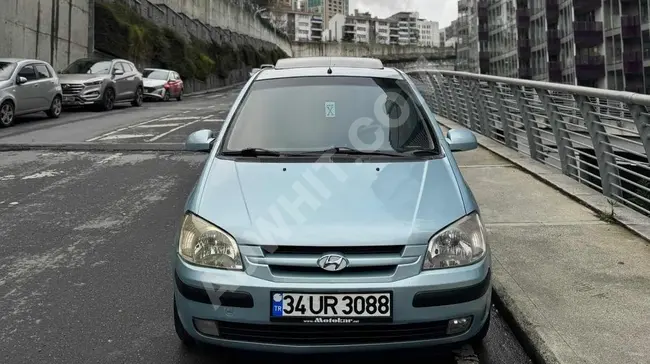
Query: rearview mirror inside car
x,y
200,141
460,140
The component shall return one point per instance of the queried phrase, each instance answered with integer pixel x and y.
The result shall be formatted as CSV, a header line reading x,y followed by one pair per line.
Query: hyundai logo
x,y
65,85
333,262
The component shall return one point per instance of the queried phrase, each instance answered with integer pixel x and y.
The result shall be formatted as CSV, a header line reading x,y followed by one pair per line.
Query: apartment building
x,y
472,36
362,28
328,8
597,43
429,33
407,27
300,26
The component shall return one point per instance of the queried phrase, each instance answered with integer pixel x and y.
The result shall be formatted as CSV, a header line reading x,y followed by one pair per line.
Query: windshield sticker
x,y
330,109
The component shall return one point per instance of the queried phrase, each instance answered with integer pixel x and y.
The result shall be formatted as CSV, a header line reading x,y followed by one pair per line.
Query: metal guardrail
x,y
599,137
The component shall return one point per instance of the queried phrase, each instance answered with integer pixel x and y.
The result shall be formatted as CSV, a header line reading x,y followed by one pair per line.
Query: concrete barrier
x,y
381,51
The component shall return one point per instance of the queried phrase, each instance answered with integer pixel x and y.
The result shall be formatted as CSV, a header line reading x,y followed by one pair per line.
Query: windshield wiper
x,y
253,152
352,151
419,152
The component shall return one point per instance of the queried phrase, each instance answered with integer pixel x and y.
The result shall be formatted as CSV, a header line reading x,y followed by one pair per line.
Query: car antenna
x,y
329,69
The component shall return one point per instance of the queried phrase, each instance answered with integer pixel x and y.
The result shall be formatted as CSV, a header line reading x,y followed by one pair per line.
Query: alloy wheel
x,y
6,114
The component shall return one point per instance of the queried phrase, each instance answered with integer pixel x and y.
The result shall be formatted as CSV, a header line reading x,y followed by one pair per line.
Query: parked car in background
x,y
28,86
102,83
162,84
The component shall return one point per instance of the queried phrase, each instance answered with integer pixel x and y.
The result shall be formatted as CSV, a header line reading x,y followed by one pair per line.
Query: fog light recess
x,y
459,325
206,327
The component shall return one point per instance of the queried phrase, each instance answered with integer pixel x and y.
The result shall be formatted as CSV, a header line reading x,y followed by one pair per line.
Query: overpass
x,y
563,180
386,53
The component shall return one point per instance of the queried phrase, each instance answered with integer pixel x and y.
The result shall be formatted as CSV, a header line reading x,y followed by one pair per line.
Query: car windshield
x,y
88,66
6,70
156,74
307,114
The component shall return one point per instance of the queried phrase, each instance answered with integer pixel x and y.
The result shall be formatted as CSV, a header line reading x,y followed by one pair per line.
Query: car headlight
x,y
461,243
202,243
93,83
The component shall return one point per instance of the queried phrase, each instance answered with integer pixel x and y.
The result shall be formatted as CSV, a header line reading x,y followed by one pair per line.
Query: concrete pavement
x,y
578,287
87,239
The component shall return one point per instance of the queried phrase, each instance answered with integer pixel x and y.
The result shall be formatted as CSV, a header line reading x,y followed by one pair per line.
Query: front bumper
x,y
422,307
89,95
153,93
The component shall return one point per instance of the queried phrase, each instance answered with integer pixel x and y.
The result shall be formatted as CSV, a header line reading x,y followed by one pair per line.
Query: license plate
x,y
335,308
68,99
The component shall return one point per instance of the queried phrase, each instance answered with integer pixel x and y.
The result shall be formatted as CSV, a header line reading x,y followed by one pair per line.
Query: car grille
x,y
289,260
290,334
71,88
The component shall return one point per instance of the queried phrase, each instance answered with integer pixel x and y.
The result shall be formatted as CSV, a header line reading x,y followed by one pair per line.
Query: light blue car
x,y
331,216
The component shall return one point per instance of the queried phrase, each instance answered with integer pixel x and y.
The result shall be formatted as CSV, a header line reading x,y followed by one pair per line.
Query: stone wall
x,y
381,51
42,29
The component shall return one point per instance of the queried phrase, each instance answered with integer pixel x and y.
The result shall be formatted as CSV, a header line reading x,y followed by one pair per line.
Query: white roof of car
x,y
308,62
320,66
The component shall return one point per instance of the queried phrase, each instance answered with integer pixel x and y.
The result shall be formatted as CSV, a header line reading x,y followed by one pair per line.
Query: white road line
x,y
125,128
176,128
213,120
158,125
179,118
126,136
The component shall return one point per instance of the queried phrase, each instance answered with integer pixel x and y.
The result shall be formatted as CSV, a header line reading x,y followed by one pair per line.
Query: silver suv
x,y
101,82
27,86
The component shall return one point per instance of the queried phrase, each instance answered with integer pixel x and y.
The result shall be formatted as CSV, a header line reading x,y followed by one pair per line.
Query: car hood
x,y
147,82
329,203
81,77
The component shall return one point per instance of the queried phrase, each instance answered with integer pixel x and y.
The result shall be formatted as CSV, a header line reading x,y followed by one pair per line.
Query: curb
x,y
540,340
98,147
213,90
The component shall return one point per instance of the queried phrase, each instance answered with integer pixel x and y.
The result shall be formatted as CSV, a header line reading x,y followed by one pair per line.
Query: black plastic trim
x,y
226,298
452,296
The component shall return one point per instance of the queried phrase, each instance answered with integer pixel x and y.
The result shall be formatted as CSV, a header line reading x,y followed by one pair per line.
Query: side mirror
x,y
21,80
460,140
118,72
200,141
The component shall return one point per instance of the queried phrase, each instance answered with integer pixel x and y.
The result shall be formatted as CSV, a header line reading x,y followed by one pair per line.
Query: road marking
x,y
213,120
126,136
110,158
179,118
125,128
176,128
158,125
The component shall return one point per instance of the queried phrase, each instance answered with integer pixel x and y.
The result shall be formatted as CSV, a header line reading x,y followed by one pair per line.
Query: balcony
x,y
630,26
633,62
553,42
349,29
554,72
523,18
587,34
525,72
585,6
590,67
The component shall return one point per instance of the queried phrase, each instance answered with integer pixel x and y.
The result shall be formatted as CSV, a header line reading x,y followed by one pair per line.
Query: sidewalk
x,y
577,287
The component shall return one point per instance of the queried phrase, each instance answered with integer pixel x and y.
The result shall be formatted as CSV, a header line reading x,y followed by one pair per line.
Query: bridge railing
x,y
598,137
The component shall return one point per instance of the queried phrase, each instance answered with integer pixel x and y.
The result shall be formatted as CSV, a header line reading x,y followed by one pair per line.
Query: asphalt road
x,y
87,239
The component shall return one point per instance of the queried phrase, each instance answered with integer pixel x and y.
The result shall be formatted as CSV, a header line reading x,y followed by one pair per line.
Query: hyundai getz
x,y
331,216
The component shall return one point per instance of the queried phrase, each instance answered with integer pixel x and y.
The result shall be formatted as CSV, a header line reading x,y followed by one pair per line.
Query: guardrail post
x,y
473,119
505,126
642,122
602,146
482,111
531,133
454,95
562,138
446,110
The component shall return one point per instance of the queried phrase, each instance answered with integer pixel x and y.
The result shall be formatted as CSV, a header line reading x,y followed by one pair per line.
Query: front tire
x,y
108,101
182,334
139,96
166,96
7,114
180,96
56,108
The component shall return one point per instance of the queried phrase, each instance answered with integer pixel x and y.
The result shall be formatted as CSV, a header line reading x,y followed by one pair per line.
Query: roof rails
x,y
309,62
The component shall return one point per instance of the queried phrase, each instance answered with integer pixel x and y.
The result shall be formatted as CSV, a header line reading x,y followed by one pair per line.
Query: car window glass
x,y
177,76
355,112
118,66
42,71
6,70
127,67
28,72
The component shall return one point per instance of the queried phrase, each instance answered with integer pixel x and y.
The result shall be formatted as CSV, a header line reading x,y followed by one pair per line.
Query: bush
x,y
121,32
